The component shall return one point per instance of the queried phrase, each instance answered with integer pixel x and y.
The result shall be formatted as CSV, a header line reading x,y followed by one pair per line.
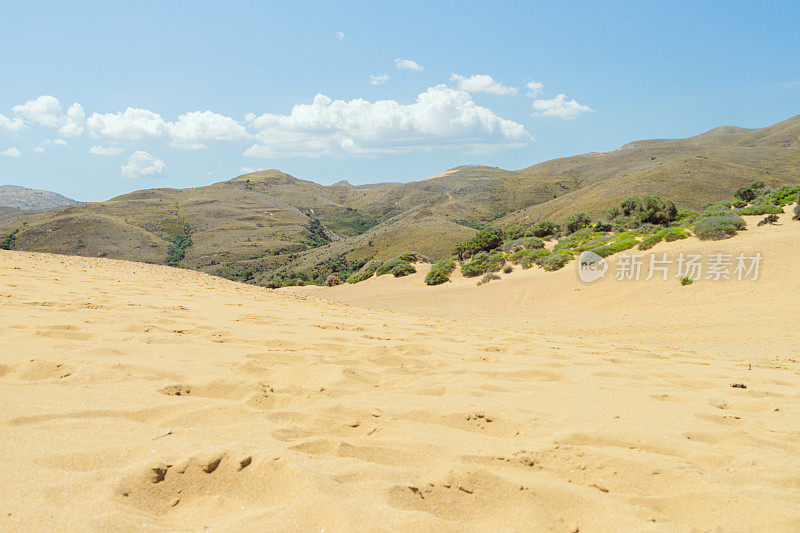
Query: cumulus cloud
x,y
11,152
481,83
340,35
559,107
407,64
440,117
38,150
105,150
195,128
534,88
74,121
131,125
142,163
44,110
8,124
191,131
378,79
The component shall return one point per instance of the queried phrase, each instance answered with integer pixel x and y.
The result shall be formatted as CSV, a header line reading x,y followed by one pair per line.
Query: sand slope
x,y
282,411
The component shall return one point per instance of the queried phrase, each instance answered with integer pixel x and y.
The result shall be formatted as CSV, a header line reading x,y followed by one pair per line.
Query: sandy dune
x,y
136,396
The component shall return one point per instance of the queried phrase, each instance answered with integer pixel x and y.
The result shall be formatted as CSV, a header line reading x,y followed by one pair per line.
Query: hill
x,y
269,222
24,198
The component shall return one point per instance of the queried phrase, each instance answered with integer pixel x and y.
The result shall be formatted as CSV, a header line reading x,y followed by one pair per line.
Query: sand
x,y
136,396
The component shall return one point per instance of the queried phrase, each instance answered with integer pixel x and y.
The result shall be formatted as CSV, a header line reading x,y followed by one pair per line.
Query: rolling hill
x,y
24,198
255,225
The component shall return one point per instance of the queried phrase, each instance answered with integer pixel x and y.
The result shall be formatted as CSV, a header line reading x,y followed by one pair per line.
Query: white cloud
x,y
340,35
8,124
105,150
193,129
142,163
60,142
378,79
44,110
11,152
481,83
38,150
560,107
74,121
132,125
407,64
441,117
534,88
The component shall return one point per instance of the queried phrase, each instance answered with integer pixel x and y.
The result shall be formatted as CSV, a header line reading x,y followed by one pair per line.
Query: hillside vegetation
x,y
271,227
24,198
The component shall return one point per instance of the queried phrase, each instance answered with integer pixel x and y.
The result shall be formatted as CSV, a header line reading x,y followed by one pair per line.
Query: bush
x,y
556,261
675,234
366,271
654,210
413,257
403,268
485,241
769,219
332,281
739,203
614,247
482,263
630,206
685,280
272,284
487,278
718,227
797,209
524,243
514,231
603,225
544,228
745,193
440,272
8,242
784,195
651,240
508,269
388,266
576,222
762,209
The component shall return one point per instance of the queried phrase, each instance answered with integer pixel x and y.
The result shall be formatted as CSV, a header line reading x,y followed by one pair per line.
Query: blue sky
x,y
180,94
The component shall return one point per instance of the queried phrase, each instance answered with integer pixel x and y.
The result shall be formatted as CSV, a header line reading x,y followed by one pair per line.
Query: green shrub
x,y
685,280
654,210
761,209
413,257
8,242
403,268
485,241
177,250
603,225
397,267
556,261
576,222
651,240
614,247
544,228
784,195
482,263
514,231
508,269
488,277
524,243
745,193
675,234
797,209
739,203
533,257
440,272
365,272
769,219
718,227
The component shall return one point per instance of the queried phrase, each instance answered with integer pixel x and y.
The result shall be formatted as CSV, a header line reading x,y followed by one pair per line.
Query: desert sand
x,y
144,397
